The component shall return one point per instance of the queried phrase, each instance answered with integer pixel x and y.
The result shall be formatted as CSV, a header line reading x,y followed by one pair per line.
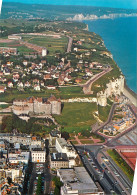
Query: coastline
x,y
128,92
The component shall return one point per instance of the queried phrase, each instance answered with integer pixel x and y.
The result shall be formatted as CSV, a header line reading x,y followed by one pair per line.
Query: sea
x,y
120,36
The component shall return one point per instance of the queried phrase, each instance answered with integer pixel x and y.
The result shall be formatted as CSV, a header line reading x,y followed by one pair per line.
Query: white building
x,y
63,147
13,173
38,155
14,37
44,52
16,138
23,157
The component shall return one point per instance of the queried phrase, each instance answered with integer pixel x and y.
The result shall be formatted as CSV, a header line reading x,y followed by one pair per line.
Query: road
x,y
121,178
96,171
88,84
110,181
46,178
112,141
32,178
69,44
108,120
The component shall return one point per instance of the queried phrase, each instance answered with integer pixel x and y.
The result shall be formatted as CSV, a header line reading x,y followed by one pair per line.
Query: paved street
x,y
88,84
69,45
121,178
46,177
109,179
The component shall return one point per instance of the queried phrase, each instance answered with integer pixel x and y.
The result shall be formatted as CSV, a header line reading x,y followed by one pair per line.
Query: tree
x,y
39,185
65,135
58,184
9,180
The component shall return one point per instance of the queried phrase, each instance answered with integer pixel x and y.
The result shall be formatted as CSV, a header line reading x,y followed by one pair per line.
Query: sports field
x,y
53,44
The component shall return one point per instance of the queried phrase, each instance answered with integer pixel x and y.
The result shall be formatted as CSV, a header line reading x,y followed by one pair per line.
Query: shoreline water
x,y
120,39
120,43
132,95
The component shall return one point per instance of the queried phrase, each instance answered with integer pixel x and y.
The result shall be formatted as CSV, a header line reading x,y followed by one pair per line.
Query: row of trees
x,y
39,186
32,126
58,184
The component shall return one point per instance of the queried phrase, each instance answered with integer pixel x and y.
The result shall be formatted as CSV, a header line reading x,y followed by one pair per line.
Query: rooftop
x,y
78,179
55,133
59,157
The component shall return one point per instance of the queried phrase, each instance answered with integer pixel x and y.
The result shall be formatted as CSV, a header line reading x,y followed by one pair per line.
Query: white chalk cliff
x,y
115,87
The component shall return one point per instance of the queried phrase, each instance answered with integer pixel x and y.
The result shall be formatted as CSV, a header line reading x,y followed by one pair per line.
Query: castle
x,y
37,106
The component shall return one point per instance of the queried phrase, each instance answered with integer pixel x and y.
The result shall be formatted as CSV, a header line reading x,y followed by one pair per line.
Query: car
x,y
115,173
94,166
107,162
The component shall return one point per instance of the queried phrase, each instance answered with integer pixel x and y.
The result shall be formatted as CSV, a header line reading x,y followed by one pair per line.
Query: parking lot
x,y
39,168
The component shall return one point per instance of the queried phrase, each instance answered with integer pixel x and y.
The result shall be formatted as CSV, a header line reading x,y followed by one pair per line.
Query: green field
x,y
71,90
77,116
74,142
87,141
63,93
104,112
53,45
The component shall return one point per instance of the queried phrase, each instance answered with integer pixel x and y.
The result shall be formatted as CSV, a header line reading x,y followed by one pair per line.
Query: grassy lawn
x,y
122,164
10,96
51,43
63,93
95,136
82,137
71,90
72,138
77,116
74,142
24,49
87,141
104,112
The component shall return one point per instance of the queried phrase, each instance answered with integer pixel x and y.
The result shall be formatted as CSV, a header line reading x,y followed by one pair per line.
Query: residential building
x,y
38,155
59,160
63,147
53,135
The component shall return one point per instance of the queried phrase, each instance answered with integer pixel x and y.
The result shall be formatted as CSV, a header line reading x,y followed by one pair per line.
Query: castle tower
x,y
55,105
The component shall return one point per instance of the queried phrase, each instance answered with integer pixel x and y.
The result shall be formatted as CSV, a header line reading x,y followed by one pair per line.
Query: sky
x,y
129,4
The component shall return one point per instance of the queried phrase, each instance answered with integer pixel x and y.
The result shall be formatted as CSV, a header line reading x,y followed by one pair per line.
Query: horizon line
x,y
54,4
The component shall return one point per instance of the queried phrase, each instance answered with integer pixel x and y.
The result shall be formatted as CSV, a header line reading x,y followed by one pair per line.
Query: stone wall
x,y
88,99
